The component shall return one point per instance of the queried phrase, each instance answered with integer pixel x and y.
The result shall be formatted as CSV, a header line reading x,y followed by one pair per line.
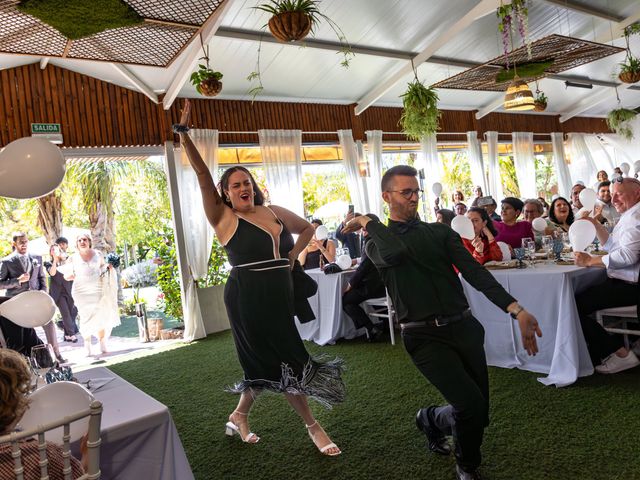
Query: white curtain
x,y
525,164
495,182
562,169
281,152
599,153
198,233
583,167
429,161
357,187
474,154
374,157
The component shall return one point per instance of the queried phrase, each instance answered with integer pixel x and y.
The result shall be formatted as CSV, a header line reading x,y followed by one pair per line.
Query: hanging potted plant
x,y
206,81
540,100
630,68
292,21
420,112
619,120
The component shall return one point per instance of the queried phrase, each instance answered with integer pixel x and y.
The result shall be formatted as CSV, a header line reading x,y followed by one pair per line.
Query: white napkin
x,y
95,384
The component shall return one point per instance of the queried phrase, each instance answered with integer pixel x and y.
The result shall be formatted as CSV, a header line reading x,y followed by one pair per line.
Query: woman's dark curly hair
x,y
552,213
15,381
485,216
223,185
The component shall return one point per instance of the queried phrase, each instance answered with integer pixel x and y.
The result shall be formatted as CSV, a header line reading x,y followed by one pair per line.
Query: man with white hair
x,y
620,289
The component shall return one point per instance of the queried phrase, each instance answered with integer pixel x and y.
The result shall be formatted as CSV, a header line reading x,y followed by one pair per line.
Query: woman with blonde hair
x,y
95,293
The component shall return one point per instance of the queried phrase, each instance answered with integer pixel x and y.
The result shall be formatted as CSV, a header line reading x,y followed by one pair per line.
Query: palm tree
x,y
97,180
50,216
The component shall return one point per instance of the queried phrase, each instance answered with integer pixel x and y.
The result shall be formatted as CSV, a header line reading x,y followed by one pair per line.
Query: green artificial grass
x,y
586,431
81,18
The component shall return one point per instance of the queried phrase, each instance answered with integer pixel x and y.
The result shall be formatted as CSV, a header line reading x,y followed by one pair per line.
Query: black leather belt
x,y
437,320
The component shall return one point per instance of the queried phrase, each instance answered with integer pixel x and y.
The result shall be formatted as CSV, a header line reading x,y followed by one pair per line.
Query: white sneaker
x,y
635,347
614,364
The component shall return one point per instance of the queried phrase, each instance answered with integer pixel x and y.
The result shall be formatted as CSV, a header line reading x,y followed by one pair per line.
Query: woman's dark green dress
x,y
259,301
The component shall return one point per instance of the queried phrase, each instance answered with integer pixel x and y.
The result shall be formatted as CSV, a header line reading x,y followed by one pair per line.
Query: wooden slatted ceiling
x,y
93,113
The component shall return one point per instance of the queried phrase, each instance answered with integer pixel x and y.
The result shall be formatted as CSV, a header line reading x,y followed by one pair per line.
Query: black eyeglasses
x,y
621,179
408,193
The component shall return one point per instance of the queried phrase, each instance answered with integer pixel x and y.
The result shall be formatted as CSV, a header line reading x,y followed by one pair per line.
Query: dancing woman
x,y
259,297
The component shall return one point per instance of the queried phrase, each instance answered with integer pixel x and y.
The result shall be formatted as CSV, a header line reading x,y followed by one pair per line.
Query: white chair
x,y
506,253
93,413
624,314
383,308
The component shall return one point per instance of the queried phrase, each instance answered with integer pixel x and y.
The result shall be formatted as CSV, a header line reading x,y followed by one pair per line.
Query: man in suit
x,y
20,272
60,289
365,283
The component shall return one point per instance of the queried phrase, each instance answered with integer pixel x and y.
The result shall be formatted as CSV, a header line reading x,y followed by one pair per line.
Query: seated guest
x,y
545,207
620,288
457,197
560,216
478,195
460,208
490,205
15,382
605,211
18,338
310,257
510,230
444,215
575,197
364,284
533,209
483,247
350,241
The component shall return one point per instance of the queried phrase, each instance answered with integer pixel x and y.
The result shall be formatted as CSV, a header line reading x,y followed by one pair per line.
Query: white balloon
x,y
322,232
30,167
539,224
54,402
636,166
625,167
581,234
30,309
463,226
581,212
343,261
436,188
588,198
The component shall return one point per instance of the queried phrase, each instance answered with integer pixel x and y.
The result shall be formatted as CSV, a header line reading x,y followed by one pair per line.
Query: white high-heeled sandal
x,y
231,429
324,449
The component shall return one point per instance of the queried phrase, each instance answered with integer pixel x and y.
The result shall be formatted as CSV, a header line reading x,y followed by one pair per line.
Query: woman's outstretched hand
x,y
186,113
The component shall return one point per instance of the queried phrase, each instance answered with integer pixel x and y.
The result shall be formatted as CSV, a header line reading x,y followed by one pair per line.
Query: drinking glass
x,y
558,246
519,254
565,240
547,245
529,247
42,359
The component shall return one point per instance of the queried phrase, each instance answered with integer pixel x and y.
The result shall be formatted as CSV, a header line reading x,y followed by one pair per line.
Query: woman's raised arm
x,y
214,208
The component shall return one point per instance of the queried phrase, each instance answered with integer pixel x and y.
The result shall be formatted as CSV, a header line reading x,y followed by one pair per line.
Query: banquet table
x,y
331,322
547,291
139,438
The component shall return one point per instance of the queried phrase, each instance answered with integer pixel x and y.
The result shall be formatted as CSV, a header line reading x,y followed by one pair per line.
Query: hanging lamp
x,y
518,96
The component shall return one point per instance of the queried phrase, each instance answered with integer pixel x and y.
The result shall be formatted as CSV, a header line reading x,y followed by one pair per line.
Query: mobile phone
x,y
351,210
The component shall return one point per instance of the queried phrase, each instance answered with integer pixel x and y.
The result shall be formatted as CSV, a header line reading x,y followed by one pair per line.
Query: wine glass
x,y
558,246
565,240
547,245
42,359
529,247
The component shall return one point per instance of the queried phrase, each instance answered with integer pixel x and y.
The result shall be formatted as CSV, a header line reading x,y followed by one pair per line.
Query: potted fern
x,y
618,120
420,112
207,81
540,102
630,68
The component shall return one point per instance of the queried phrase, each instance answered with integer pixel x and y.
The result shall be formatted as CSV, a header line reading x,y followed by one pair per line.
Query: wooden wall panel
x,y
95,113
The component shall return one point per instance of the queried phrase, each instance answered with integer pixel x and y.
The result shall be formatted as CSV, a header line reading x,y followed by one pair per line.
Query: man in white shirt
x,y
576,204
621,287
606,211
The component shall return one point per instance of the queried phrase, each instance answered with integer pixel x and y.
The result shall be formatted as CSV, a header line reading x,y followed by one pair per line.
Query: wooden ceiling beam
x,y
137,82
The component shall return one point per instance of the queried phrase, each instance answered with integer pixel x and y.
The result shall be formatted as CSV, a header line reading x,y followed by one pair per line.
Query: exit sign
x,y
48,131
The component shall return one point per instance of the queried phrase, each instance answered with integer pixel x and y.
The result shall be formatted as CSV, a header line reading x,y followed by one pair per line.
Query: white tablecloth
x,y
139,438
331,322
548,293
